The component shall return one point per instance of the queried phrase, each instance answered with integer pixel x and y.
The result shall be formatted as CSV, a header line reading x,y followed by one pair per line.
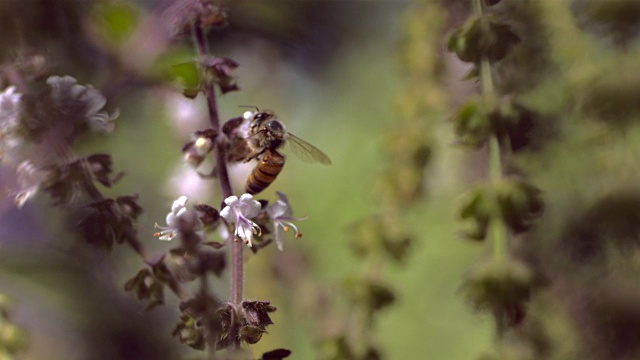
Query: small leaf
x,y
520,203
500,285
214,244
146,287
129,206
371,293
482,38
189,333
252,333
476,211
214,262
220,71
277,354
257,312
116,20
208,215
191,93
188,74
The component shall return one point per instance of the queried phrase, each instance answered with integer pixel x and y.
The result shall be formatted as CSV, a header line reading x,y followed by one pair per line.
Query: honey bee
x,y
266,135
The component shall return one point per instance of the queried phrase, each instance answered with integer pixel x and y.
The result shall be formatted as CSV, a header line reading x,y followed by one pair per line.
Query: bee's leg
x,y
254,155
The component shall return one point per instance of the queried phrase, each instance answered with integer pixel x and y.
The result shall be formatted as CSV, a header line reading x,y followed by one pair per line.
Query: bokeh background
x,y
367,82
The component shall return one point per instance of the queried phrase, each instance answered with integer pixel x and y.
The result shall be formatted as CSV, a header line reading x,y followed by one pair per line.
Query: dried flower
x,y
179,220
280,212
239,212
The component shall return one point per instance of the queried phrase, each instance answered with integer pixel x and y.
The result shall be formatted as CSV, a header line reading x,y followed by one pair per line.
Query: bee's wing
x,y
305,151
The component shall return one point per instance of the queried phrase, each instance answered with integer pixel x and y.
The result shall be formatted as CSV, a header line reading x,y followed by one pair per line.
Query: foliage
x,y
524,135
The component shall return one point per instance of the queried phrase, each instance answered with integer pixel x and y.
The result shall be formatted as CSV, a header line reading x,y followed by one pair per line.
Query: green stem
x,y
478,7
497,229
486,79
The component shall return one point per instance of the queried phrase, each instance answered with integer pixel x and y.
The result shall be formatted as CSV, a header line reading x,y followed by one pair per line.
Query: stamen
x,y
298,235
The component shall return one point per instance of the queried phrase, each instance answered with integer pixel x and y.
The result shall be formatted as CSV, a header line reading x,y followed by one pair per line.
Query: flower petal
x,y
179,203
283,197
277,209
171,219
231,199
279,234
226,214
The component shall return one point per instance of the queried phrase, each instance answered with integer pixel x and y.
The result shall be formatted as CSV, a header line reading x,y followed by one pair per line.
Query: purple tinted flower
x,y
239,211
280,212
179,220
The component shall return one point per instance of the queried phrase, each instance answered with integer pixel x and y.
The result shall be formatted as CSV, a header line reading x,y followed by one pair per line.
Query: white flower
x,y
280,212
239,212
9,106
179,220
66,88
9,118
29,179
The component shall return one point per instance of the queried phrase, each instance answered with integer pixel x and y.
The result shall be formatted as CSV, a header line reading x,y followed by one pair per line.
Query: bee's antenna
x,y
250,106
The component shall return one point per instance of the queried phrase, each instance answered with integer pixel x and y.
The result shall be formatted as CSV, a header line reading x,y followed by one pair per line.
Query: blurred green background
x,y
332,72
347,77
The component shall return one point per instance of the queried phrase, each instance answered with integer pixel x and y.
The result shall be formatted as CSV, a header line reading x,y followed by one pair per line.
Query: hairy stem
x,y
497,231
237,257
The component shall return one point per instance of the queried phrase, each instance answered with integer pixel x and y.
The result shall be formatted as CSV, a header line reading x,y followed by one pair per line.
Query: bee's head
x,y
260,121
274,127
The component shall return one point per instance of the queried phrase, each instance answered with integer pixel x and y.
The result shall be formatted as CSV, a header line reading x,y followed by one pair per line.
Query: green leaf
x,y
188,75
116,20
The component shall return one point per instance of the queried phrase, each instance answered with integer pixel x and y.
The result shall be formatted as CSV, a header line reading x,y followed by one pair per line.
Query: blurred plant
x,y
41,118
13,340
507,205
574,264
384,237
557,104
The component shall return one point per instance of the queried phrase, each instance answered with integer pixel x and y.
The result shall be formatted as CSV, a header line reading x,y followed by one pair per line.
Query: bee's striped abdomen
x,y
265,172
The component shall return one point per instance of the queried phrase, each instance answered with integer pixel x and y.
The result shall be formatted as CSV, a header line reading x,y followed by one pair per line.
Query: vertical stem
x,y
478,9
237,247
497,231
486,79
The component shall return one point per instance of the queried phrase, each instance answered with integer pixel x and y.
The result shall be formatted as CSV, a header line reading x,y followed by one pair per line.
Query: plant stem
x,y
478,8
497,231
237,247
